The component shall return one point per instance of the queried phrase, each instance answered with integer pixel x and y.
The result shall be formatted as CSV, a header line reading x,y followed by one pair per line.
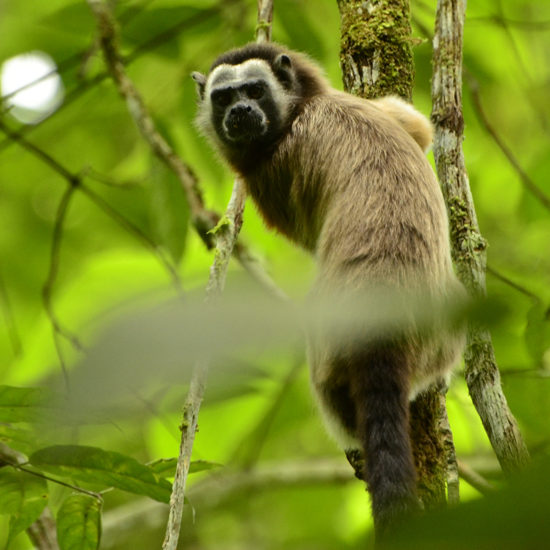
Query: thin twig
x,y
528,183
56,166
477,481
501,21
202,219
76,488
125,223
47,288
75,182
507,281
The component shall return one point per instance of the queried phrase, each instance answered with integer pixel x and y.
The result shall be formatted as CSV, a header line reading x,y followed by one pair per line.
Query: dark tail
x,y
381,395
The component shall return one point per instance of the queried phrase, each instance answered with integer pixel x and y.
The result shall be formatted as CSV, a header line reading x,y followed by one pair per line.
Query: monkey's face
x,y
239,110
244,104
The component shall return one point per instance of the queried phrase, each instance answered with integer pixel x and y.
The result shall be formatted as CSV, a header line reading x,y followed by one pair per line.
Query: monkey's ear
x,y
282,67
200,79
282,62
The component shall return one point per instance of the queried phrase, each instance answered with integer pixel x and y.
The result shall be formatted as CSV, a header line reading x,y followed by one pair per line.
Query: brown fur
x,y
348,181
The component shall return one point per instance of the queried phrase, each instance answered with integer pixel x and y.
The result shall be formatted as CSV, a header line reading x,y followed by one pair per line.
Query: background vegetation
x,y
66,275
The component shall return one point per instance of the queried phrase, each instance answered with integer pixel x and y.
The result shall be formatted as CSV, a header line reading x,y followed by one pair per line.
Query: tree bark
x,y
468,246
375,52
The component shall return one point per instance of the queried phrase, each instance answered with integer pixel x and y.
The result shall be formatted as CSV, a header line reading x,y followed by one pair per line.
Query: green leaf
x,y
22,438
104,468
23,497
21,404
166,467
79,523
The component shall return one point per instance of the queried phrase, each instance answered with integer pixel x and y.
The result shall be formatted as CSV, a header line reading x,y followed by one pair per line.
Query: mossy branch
x,y
468,246
377,60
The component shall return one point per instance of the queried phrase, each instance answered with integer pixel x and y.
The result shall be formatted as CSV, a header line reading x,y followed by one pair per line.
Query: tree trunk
x,y
376,59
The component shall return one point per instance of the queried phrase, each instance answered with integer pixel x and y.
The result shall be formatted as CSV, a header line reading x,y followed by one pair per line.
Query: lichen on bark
x,y
376,47
468,246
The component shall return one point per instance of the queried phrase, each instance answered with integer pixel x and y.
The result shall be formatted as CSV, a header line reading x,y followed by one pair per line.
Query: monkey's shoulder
x,y
389,122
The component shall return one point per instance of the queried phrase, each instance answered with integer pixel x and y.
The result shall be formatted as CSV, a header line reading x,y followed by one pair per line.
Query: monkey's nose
x,y
238,114
243,121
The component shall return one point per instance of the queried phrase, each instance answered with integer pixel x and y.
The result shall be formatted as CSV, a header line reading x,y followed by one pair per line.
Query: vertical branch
x,y
225,235
265,17
43,532
444,428
377,60
468,246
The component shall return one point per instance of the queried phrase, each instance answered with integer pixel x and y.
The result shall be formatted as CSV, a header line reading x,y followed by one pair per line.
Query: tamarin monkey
x,y
347,179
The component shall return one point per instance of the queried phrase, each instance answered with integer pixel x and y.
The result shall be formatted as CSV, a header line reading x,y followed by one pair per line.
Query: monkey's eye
x,y
255,91
222,98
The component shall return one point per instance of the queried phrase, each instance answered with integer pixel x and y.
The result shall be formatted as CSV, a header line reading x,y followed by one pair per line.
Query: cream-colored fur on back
x,y
415,124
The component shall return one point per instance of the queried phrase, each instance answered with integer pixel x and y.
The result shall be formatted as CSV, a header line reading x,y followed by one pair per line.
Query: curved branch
x,y
526,180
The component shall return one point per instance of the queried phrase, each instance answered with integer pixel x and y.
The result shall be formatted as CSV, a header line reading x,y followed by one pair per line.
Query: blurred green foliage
x,y
105,267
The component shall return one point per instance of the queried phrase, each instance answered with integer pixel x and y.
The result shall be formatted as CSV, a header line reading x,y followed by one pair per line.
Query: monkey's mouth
x,y
244,125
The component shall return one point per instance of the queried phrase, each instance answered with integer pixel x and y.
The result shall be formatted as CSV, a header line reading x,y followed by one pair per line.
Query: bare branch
x,y
265,17
202,219
225,234
43,533
482,374
219,488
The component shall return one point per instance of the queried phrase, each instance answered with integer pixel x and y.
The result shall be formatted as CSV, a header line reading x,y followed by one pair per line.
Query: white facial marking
x,y
250,69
